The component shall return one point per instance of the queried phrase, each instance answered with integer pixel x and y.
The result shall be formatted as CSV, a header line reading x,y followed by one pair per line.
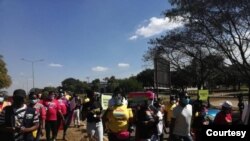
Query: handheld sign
x,y
138,98
203,95
105,101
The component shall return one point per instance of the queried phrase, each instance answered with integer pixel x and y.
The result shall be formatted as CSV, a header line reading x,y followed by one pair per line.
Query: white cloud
x,y
99,69
55,65
134,37
123,65
155,26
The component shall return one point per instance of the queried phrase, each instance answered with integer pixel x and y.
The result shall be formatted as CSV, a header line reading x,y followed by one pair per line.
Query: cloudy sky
x,y
83,39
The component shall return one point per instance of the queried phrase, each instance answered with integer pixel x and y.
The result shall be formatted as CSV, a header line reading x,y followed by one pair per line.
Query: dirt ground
x,y
79,134
74,134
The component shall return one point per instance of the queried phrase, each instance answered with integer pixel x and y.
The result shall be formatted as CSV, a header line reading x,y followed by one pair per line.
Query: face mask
x,y
185,101
1,99
118,101
51,97
34,101
149,102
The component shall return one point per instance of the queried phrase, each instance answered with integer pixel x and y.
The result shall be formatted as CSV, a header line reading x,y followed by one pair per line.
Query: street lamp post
x,y
32,63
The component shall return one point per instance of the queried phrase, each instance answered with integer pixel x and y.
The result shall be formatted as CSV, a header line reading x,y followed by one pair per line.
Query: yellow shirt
x,y
118,118
169,109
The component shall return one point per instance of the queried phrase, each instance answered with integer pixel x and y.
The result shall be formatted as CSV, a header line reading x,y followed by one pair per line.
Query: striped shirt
x,y
19,116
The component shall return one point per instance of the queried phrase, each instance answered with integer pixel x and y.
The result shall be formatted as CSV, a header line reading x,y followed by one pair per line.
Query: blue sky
x,y
77,38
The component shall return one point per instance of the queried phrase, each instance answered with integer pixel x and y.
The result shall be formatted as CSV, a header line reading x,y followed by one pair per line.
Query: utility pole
x,y
33,72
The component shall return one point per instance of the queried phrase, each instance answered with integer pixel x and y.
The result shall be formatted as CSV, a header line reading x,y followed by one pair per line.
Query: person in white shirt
x,y
182,115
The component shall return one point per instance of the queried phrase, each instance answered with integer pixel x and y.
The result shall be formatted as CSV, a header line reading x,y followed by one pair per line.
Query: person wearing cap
x,y
40,109
224,117
18,121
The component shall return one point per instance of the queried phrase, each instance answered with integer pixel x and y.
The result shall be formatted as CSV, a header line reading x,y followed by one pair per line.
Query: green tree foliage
x,y
74,85
95,85
5,79
129,85
146,77
223,26
48,89
210,29
112,84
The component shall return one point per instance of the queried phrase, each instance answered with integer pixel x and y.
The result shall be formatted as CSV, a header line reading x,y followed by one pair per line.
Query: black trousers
x,y
51,126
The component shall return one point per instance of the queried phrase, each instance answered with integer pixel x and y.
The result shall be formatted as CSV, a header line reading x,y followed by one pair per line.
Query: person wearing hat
x,y
224,117
18,121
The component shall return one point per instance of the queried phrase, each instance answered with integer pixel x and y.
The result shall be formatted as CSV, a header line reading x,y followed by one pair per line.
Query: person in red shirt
x,y
224,117
63,103
40,109
53,109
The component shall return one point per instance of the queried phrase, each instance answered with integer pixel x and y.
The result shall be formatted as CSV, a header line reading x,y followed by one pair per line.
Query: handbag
x,y
123,135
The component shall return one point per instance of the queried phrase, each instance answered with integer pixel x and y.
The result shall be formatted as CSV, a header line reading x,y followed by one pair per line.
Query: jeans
x,y
77,117
95,129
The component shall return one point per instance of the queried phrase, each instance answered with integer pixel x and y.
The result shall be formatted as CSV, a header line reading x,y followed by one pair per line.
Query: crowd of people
x,y
26,117
26,120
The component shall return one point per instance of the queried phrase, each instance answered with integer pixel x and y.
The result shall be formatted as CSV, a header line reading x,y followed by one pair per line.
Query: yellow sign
x,y
203,95
105,101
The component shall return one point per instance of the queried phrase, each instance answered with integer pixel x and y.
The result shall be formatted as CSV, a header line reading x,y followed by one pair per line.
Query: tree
x,y
222,25
112,84
129,85
5,79
74,85
48,89
146,77
210,28
96,85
